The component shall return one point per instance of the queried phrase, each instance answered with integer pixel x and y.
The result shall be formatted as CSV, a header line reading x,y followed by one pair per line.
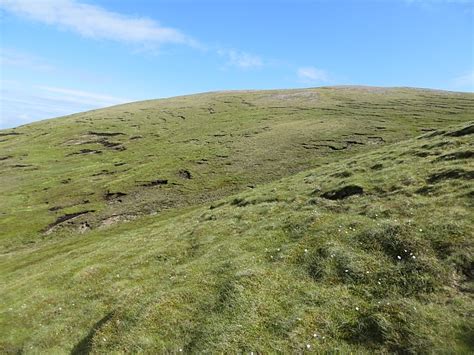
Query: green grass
x,y
273,268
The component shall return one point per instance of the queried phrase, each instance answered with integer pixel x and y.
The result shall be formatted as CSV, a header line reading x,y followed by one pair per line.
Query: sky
x,y
59,57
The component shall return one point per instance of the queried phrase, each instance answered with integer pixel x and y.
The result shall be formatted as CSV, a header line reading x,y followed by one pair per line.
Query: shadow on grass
x,y
85,345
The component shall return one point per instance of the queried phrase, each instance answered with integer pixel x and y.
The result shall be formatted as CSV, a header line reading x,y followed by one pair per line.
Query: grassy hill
x,y
298,220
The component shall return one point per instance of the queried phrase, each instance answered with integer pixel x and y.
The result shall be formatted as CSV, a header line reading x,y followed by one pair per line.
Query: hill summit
x,y
328,219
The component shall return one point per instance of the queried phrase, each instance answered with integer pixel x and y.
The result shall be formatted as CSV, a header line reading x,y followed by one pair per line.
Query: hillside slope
x,y
91,170
371,252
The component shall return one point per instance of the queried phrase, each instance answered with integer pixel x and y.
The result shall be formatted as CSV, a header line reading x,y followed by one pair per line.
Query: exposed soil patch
x,y
462,132
10,134
104,172
375,140
426,190
316,146
87,151
64,218
451,174
342,174
111,196
84,227
456,156
116,219
355,142
106,134
433,134
436,145
421,154
344,192
156,182
21,166
113,145
185,174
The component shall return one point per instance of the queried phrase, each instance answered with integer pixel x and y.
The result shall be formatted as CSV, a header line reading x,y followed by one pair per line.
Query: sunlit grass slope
x,y
371,249
98,168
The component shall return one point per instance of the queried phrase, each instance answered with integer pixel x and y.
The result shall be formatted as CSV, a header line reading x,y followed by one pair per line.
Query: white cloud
x,y
465,81
241,59
312,75
20,103
96,22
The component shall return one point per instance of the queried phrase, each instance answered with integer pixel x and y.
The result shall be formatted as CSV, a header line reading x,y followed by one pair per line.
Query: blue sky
x,y
63,56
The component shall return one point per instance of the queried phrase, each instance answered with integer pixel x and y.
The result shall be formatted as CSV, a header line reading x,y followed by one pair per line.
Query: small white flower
x,y
315,335
180,350
308,346
104,339
379,282
414,257
306,250
399,257
421,230
346,270
357,308
367,272
406,251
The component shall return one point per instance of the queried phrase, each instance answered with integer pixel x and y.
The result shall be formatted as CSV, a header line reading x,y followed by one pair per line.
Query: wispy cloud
x,y
465,81
82,97
241,59
10,57
21,103
96,22
312,75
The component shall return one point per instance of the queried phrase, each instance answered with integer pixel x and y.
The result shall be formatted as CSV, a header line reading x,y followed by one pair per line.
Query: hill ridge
x,y
329,221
